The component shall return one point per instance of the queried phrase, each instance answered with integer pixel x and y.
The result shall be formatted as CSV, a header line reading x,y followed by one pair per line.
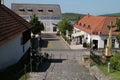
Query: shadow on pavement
x,y
57,60
46,65
44,43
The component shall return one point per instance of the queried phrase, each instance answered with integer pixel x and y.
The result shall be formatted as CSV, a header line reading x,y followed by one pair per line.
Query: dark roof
x,y
38,9
11,24
96,24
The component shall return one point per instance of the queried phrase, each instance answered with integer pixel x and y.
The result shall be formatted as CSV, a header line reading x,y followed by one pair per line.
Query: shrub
x,y
89,45
115,62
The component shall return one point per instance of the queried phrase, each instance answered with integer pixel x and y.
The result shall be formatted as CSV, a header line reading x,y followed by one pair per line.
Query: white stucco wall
x,y
116,44
100,39
113,37
48,24
12,51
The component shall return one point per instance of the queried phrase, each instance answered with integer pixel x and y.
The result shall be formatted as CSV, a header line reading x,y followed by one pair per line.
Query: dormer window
x,y
84,25
80,24
40,10
89,26
50,10
30,10
21,9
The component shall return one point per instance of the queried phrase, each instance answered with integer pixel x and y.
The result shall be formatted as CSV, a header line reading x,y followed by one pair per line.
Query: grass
x,y
23,76
97,60
113,74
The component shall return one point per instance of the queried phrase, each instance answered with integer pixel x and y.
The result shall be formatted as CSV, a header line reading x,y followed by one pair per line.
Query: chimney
x,y
88,15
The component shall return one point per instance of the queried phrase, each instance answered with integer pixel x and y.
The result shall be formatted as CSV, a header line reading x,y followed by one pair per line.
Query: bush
x,y
89,45
115,62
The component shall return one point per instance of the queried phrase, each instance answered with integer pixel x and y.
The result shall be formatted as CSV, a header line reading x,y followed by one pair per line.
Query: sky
x,y
93,7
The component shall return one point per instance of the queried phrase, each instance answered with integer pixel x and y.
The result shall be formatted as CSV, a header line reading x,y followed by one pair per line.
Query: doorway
x,y
95,44
54,29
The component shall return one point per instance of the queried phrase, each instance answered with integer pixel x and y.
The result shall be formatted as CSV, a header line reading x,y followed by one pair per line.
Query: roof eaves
x,y
15,16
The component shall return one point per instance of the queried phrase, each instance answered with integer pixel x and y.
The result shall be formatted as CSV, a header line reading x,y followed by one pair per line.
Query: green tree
x,y
115,62
65,25
118,38
37,26
118,24
118,28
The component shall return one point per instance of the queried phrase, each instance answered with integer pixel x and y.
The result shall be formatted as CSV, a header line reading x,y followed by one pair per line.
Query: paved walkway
x,y
76,47
65,64
73,46
64,70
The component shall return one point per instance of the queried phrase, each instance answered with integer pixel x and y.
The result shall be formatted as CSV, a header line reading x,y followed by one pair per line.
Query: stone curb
x,y
65,42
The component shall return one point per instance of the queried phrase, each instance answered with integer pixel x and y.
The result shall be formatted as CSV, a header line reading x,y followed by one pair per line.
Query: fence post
x,y
108,67
25,71
31,65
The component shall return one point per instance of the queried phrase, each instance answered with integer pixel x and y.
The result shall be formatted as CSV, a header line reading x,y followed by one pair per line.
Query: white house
x,y
14,37
49,14
94,29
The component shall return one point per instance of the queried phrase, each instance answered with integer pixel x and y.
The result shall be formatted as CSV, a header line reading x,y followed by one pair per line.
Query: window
x,y
89,27
40,10
80,24
113,43
30,10
25,17
25,37
21,9
84,25
50,10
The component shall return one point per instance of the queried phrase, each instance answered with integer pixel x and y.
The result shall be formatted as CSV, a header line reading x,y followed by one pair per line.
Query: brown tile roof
x,y
96,24
11,24
38,9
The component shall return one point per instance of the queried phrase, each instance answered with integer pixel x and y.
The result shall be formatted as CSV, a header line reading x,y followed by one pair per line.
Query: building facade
x,y
49,14
14,37
94,29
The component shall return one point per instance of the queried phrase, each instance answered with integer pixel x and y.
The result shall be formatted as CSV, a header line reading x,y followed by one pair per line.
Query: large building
x,y
49,14
14,37
95,29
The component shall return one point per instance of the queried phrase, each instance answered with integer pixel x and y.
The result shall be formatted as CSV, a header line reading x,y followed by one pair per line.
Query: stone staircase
x,y
66,70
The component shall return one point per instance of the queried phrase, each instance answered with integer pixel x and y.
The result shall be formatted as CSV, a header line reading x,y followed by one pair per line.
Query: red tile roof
x,y
11,24
96,24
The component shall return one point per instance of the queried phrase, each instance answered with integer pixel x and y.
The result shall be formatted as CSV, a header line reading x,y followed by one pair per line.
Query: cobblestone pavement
x,y
64,70
65,64
66,53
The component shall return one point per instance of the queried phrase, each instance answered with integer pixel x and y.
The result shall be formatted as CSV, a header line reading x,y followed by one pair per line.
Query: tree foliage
x,y
65,25
72,16
118,24
115,62
118,28
37,26
118,38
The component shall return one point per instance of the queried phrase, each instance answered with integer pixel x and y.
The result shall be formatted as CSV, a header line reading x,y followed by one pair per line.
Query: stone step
x,y
36,76
68,76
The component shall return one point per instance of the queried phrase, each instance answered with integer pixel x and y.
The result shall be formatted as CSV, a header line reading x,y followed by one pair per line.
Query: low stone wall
x,y
98,74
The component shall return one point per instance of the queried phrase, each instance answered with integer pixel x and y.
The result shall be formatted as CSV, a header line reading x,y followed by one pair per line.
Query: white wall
x,y
95,37
101,41
12,51
49,24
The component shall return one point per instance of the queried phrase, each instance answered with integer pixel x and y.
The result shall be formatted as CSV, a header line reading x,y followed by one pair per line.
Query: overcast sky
x,y
94,7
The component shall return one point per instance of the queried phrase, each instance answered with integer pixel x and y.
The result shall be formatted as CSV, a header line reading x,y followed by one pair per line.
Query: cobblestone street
x,y
63,70
65,63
